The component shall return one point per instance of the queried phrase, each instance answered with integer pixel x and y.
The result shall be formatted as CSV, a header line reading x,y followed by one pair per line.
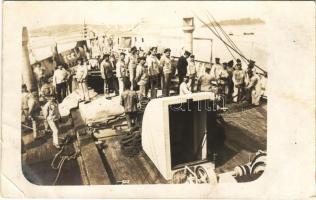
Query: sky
x,y
41,14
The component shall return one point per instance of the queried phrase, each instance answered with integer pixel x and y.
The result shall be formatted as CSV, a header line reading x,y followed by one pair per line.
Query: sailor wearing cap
x,y
253,88
191,71
131,63
239,83
182,66
52,116
153,71
107,75
142,77
216,69
60,79
81,77
166,65
204,83
121,72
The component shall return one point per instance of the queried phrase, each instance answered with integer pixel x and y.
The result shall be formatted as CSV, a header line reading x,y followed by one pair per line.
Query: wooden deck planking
x,y
246,133
95,170
137,169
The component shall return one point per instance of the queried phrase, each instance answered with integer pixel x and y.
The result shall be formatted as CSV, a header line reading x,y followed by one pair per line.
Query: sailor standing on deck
x,y
81,77
39,72
253,88
52,116
153,71
223,81
216,69
106,74
121,72
230,84
131,65
166,65
142,77
205,81
60,79
129,101
182,66
28,103
191,71
239,82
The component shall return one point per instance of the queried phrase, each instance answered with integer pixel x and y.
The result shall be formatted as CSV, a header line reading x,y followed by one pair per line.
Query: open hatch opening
x,y
190,126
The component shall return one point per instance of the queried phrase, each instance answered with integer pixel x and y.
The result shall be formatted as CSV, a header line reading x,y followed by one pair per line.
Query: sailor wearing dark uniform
x,y
182,66
106,74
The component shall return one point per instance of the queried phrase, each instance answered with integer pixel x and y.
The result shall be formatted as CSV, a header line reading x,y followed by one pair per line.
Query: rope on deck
x,y
62,159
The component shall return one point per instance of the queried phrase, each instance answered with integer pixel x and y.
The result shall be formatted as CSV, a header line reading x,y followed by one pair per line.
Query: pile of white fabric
x,y
72,101
101,109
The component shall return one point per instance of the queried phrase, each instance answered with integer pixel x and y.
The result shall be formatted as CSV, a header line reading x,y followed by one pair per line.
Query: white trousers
x,y
54,126
121,85
84,91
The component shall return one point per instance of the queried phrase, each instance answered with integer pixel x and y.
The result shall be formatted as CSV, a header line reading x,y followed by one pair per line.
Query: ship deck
x,y
245,130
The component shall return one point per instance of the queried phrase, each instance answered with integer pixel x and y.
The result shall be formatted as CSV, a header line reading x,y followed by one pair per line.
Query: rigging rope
x,y
226,42
225,34
221,37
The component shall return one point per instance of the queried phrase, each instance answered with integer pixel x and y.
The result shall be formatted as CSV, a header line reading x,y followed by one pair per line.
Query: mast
x,y
27,72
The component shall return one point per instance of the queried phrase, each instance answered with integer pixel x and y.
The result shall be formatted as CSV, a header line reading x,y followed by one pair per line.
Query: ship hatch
x,y
192,126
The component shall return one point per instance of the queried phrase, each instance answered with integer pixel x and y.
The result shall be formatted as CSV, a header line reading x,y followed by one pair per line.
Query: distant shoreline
x,y
237,22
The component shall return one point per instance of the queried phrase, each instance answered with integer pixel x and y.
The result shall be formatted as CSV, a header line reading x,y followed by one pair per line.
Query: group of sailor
x,y
132,74
232,83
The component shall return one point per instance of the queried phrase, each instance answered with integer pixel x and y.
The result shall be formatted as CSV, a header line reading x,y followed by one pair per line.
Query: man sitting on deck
x,y
129,101
184,86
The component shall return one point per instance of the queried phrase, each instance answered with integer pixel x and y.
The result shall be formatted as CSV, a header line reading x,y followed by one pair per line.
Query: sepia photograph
x,y
145,100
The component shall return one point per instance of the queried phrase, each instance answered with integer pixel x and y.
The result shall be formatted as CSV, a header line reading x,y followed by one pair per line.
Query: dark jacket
x,y
182,66
106,70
